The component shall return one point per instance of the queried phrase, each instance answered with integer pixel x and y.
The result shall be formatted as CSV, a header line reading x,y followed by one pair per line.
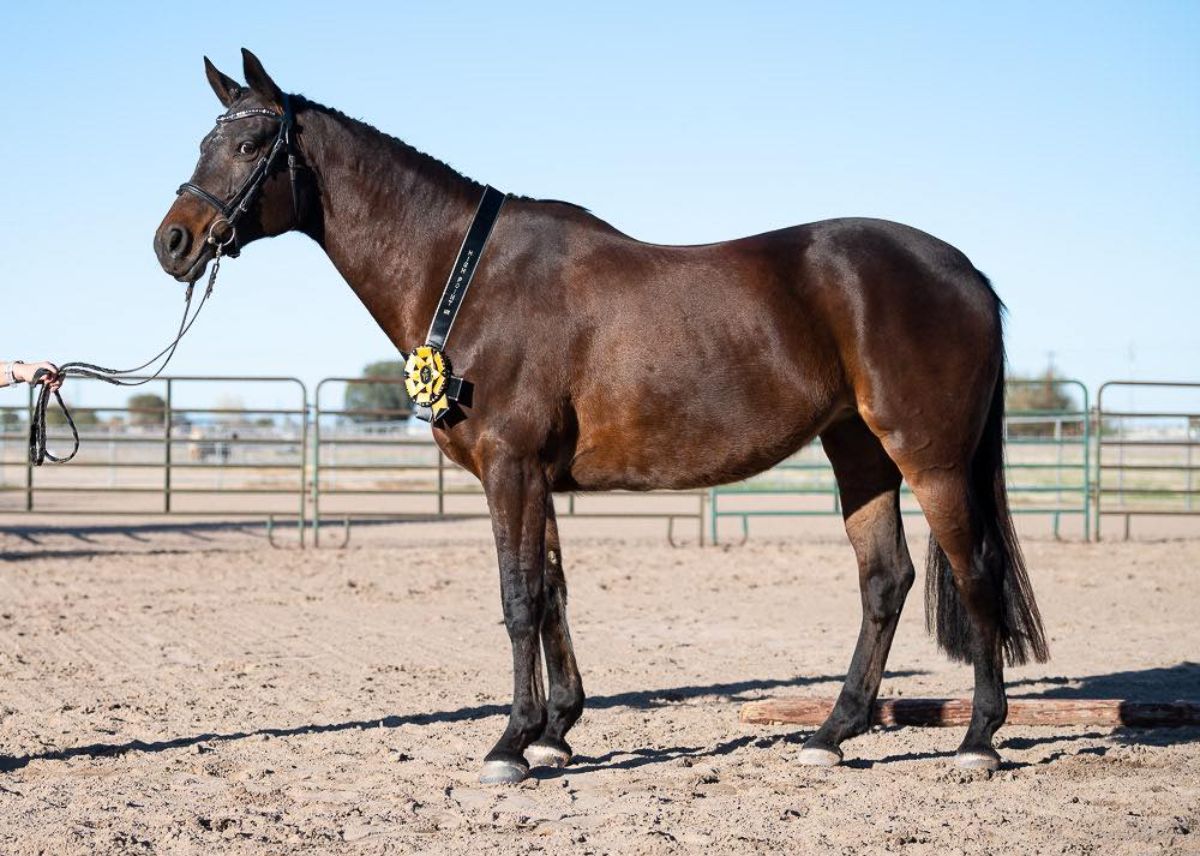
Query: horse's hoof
x,y
502,773
812,756
544,755
976,760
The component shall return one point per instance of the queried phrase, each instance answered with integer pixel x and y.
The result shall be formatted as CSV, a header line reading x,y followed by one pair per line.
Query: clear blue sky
x,y
1057,144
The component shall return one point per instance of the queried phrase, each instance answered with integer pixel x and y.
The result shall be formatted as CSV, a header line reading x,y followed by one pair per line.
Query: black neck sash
x,y
428,377
464,267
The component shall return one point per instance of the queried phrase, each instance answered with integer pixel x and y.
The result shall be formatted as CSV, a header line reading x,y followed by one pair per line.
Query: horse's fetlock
x,y
567,702
529,717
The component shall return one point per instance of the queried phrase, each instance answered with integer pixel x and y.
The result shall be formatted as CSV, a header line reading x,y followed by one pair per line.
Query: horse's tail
x,y
997,556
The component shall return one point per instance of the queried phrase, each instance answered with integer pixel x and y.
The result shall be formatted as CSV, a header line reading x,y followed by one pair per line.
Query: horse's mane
x,y
410,153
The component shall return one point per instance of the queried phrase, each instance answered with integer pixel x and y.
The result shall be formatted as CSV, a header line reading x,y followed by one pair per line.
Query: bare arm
x,y
21,372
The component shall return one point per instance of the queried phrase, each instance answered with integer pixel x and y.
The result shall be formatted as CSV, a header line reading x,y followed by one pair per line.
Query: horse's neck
x,y
392,219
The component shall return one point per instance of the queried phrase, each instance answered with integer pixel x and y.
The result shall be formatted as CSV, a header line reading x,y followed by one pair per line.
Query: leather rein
x,y
222,236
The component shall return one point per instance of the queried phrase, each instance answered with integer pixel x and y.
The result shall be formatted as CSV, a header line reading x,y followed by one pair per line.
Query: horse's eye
x,y
246,148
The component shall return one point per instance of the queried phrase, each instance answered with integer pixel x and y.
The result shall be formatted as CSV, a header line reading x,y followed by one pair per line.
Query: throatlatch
x,y
428,377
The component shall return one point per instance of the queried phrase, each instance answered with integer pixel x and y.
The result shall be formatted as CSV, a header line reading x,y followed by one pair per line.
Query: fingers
x,y
55,379
45,373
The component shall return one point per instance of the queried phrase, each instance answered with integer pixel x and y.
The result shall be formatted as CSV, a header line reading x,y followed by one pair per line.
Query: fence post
x,y
1058,468
1087,464
303,523
712,515
316,466
168,418
1190,481
29,462
1097,464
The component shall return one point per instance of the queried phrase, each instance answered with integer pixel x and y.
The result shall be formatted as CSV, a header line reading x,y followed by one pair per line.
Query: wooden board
x,y
1021,711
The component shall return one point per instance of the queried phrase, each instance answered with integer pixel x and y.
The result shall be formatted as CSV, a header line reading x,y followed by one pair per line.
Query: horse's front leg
x,y
517,494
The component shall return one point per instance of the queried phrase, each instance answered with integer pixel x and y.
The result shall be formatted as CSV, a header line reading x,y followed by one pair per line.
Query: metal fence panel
x,y
1147,460
173,459
304,464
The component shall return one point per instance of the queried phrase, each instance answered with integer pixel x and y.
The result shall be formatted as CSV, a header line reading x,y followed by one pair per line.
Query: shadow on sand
x,y
1180,682
1157,684
642,700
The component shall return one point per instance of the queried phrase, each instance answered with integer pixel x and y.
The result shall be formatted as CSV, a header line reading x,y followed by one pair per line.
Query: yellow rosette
x,y
426,374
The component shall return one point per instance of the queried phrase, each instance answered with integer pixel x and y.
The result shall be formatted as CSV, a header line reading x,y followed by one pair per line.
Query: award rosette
x,y
427,379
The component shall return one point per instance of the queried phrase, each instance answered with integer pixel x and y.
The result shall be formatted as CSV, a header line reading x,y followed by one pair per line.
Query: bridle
x,y
223,231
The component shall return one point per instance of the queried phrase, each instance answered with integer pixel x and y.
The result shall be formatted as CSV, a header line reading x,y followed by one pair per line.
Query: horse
x,y
599,362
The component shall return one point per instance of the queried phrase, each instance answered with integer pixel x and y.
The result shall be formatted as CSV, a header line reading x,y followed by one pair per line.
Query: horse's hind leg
x,y
869,483
565,701
963,576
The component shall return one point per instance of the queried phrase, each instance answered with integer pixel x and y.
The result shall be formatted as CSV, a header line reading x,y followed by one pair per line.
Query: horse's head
x,y
240,189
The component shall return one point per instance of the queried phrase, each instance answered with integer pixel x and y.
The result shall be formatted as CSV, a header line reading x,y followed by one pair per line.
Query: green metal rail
x,y
1080,463
1029,481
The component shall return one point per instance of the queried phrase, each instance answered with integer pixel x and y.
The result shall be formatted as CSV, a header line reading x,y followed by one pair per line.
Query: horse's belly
x,y
663,448
705,395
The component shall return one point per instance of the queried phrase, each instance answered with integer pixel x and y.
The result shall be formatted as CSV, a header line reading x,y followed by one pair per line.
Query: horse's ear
x,y
260,81
226,88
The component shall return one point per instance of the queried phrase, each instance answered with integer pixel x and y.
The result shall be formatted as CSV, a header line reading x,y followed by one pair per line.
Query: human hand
x,y
25,372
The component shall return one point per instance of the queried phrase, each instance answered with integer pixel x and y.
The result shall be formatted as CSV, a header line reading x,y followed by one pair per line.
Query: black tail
x,y
998,554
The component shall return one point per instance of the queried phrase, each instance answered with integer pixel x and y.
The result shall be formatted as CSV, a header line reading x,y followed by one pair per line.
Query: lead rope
x,y
38,452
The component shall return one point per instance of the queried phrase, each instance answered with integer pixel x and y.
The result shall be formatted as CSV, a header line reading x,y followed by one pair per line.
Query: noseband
x,y
223,231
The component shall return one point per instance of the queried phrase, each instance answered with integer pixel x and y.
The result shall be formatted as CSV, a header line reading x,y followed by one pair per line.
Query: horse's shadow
x,y
1169,683
641,700
1156,684
1160,684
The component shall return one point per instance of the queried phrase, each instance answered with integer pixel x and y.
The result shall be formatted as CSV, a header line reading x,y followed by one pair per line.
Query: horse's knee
x,y
554,595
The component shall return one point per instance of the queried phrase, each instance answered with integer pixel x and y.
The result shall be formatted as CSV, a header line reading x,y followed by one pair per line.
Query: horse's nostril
x,y
177,241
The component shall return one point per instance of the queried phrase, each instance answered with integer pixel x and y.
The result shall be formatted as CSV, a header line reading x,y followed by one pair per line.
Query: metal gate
x,y
178,457
168,458
1147,458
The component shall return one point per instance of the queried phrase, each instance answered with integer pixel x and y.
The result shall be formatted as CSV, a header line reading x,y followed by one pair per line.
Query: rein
x,y
224,244
39,453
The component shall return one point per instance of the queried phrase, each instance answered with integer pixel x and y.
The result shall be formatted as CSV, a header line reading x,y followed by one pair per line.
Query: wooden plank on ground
x,y
934,712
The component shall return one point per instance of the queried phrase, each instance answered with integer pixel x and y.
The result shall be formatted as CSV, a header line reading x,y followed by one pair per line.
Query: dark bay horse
x,y
601,362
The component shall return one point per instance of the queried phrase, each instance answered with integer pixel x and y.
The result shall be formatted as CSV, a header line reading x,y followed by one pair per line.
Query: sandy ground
x,y
202,693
